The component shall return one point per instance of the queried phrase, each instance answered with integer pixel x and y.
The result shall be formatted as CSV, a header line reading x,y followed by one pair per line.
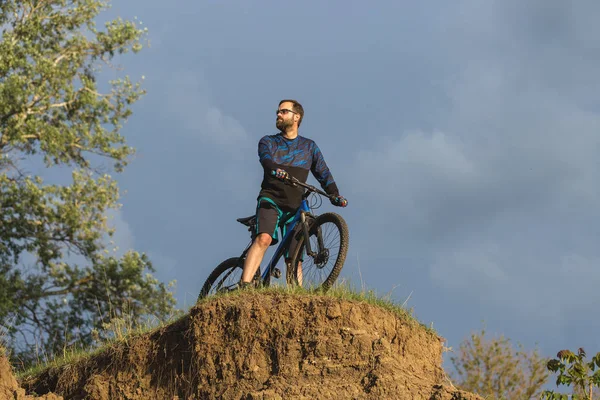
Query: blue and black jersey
x,y
297,156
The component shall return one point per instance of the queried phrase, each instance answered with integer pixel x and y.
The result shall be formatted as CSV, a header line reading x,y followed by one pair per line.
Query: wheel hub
x,y
322,258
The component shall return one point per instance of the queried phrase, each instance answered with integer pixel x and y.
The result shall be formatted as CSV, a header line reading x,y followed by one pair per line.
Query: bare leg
x,y
288,265
299,273
255,255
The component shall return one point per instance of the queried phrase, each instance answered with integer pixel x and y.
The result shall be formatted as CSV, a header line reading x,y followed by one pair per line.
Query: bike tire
x,y
330,277
227,269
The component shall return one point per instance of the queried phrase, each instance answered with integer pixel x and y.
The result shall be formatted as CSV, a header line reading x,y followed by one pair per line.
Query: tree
x,y
494,369
574,371
58,280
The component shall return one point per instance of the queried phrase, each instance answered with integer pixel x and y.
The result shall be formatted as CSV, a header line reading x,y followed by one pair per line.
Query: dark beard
x,y
282,124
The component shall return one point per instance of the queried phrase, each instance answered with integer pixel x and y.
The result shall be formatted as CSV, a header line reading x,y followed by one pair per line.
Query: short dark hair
x,y
296,107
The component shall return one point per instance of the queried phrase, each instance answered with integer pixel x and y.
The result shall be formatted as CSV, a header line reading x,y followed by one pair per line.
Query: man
x,y
288,154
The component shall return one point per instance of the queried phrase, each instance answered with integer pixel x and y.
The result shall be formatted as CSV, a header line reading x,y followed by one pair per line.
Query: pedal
x,y
276,273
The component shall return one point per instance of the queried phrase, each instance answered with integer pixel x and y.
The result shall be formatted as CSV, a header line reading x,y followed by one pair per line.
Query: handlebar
x,y
295,182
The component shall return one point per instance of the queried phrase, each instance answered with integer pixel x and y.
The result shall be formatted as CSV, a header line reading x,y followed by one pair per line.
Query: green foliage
x,y
494,369
573,370
53,110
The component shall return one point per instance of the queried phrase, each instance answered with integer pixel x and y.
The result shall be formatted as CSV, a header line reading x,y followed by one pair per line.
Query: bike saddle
x,y
247,220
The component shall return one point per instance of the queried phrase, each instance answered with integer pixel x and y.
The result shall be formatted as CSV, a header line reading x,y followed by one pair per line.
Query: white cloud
x,y
414,171
190,107
503,199
460,268
551,285
198,122
223,129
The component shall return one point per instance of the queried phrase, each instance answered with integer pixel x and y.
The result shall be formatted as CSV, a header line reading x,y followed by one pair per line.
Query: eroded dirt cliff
x,y
259,345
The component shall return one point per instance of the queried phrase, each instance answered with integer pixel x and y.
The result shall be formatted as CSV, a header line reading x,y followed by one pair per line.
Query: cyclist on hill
x,y
288,154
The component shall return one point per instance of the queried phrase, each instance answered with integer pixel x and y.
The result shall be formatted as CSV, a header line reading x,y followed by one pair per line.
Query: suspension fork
x,y
309,251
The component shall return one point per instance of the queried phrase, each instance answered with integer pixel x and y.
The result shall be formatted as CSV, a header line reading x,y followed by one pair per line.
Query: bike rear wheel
x,y
329,238
224,278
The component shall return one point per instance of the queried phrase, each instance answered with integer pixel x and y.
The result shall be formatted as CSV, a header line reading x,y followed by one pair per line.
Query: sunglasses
x,y
284,111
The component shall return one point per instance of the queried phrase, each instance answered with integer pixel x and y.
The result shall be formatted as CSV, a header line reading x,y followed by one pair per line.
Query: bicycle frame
x,y
300,216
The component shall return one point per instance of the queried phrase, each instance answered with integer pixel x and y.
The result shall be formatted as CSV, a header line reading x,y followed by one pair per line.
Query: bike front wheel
x,y
224,278
329,238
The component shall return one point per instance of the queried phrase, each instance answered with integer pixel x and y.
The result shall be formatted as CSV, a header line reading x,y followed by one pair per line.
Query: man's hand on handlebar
x,y
339,201
281,174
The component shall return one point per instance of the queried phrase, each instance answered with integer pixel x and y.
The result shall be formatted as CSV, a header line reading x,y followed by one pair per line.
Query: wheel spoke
x,y
223,278
323,270
229,280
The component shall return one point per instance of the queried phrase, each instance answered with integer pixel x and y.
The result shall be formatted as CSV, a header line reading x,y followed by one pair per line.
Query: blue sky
x,y
464,135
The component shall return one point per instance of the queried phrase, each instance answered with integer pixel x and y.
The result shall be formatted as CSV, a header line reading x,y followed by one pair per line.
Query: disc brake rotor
x,y
322,258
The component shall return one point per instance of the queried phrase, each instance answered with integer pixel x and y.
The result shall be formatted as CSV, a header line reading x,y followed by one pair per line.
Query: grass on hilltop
x,y
342,291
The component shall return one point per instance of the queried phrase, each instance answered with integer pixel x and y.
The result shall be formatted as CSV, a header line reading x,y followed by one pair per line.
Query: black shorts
x,y
270,219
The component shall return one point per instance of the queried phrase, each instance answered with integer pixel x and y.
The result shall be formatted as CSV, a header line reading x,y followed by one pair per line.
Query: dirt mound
x,y
266,346
8,383
9,387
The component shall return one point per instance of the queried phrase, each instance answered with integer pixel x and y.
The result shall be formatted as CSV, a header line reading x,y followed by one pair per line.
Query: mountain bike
x,y
316,260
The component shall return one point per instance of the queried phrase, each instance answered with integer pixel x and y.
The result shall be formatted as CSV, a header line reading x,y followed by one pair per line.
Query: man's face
x,y
285,116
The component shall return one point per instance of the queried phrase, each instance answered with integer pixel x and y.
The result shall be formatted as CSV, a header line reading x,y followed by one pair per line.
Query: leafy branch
x,y
574,371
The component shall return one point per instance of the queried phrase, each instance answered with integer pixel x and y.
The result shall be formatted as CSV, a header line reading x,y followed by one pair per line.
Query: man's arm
x,y
265,155
321,172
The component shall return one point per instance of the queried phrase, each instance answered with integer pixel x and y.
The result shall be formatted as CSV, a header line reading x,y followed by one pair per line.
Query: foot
x,y
245,285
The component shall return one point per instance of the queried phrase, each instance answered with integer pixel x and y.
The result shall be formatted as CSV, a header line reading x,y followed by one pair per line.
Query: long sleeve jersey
x,y
297,156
